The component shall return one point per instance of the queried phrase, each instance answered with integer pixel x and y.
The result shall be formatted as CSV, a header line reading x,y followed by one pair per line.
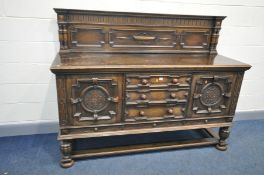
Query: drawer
x,y
157,94
129,38
158,80
154,112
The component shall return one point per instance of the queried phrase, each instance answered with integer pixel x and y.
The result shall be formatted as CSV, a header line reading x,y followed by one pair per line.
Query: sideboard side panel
x,y
61,96
236,92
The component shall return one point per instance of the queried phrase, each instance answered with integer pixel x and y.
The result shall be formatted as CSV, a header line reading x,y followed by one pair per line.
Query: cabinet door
x,y
94,99
211,94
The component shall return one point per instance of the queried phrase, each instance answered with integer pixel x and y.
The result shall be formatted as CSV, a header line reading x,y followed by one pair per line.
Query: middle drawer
x,y
162,95
157,80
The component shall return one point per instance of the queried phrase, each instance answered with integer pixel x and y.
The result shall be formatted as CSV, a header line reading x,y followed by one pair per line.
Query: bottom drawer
x,y
153,112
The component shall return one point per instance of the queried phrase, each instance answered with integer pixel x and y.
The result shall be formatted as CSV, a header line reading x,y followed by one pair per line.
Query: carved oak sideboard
x,y
129,74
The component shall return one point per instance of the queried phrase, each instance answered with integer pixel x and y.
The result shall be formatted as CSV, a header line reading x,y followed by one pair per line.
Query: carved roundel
x,y
94,98
211,94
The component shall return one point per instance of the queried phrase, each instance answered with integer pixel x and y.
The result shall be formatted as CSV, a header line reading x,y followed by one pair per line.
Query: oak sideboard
x,y
131,74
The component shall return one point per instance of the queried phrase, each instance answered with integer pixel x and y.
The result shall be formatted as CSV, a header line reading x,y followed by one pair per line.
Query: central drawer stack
x,y
156,96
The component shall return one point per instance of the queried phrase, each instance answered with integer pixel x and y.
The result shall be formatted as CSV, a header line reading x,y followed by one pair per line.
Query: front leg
x,y
66,150
223,135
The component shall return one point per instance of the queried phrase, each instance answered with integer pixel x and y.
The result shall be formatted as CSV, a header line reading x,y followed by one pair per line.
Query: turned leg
x,y
66,149
223,135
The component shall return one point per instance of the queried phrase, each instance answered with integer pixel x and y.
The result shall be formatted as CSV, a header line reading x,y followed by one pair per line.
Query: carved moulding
x,y
93,100
212,94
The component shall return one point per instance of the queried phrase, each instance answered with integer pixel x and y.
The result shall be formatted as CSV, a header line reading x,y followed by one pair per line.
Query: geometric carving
x,y
93,100
146,20
211,94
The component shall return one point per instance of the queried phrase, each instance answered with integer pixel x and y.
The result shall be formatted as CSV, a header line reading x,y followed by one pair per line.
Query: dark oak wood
x,y
210,140
132,73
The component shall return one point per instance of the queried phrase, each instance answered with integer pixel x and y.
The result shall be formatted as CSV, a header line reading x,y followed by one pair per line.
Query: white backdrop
x,y
29,43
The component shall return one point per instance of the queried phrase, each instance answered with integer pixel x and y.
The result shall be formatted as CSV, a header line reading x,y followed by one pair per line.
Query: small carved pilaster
x,y
66,151
63,32
224,133
215,35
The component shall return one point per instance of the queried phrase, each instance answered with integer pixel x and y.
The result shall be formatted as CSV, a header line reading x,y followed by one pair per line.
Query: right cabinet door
x,y
212,94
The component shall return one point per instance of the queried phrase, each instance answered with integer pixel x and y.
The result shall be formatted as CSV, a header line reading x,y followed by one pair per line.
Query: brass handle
x,y
143,97
144,37
144,81
174,80
170,111
173,95
141,113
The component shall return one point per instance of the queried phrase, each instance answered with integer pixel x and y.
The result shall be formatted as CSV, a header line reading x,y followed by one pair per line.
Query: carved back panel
x,y
99,31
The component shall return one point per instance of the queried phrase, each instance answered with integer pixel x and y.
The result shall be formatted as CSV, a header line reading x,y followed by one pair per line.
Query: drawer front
x,y
157,94
94,99
212,94
142,38
157,80
159,112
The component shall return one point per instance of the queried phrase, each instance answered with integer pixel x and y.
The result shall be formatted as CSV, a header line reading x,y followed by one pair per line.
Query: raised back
x,y
100,31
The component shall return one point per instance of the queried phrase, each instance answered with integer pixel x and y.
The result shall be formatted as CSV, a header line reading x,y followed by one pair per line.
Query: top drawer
x,y
158,81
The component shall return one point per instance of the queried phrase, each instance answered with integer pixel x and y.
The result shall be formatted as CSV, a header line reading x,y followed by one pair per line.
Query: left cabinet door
x,y
94,99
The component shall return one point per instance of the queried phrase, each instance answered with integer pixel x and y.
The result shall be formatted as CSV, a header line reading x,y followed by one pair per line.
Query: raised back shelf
x,y
100,31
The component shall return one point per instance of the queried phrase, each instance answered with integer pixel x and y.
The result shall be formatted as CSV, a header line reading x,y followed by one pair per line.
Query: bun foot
x,y
221,147
223,135
67,163
66,150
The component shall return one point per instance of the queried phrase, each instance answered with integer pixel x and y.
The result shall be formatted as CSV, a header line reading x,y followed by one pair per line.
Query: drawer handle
x,y
141,113
174,80
173,95
143,97
144,37
170,111
144,81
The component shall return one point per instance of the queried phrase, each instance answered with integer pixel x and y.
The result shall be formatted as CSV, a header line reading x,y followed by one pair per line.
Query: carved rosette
x,y
212,94
93,100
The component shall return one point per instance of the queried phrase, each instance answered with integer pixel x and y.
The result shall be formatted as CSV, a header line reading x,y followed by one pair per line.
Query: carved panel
x,y
94,99
106,18
194,39
212,94
142,38
85,36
